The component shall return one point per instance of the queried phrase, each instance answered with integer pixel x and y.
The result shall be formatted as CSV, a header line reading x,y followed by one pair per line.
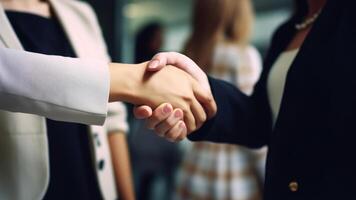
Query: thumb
x,y
142,112
157,63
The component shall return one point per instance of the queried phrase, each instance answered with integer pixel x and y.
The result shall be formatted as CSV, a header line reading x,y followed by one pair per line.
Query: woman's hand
x,y
182,62
156,119
170,84
186,64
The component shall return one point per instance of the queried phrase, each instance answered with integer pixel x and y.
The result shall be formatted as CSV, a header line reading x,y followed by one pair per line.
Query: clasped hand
x,y
171,120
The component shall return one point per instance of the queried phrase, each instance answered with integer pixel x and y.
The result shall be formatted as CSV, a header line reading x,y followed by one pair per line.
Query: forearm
x,y
122,166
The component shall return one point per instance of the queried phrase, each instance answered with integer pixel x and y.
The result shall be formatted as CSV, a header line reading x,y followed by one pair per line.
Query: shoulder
x,y
80,6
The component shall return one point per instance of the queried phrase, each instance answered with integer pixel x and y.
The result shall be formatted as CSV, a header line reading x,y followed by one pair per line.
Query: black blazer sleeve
x,y
237,120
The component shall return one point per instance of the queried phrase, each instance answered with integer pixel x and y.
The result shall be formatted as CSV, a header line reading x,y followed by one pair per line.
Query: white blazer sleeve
x,y
60,88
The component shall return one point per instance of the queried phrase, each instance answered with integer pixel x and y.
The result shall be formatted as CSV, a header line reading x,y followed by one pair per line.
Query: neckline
x,y
30,14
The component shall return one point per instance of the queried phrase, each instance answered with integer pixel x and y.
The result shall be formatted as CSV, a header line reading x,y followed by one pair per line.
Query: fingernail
x,y
167,109
153,64
181,125
178,114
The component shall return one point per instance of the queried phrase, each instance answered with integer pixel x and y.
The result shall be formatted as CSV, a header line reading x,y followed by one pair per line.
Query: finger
x,y
171,58
169,123
186,64
206,99
189,120
159,114
183,133
199,113
181,61
177,133
142,112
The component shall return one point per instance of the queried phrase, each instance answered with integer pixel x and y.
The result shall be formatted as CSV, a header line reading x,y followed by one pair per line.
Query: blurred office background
x,y
122,19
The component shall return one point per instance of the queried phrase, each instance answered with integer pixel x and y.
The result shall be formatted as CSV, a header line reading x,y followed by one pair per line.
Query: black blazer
x,y
313,144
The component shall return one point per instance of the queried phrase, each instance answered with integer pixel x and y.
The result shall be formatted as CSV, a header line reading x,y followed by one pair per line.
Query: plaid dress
x,y
221,171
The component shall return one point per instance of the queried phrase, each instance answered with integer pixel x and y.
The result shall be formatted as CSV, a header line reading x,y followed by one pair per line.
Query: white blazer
x,y
73,90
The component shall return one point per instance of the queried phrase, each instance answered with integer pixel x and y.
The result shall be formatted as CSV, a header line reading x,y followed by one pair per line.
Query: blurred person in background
x,y
154,160
42,27
149,41
219,44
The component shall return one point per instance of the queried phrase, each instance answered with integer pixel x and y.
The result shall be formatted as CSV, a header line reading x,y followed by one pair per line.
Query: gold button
x,y
293,186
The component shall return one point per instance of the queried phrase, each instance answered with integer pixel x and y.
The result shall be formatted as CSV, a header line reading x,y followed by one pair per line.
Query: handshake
x,y
171,92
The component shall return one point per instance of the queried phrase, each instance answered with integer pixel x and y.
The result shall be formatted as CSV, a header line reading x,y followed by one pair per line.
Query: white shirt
x,y
277,79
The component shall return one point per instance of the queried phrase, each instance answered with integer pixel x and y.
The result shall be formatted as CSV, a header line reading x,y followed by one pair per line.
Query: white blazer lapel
x,y
69,23
76,29
7,34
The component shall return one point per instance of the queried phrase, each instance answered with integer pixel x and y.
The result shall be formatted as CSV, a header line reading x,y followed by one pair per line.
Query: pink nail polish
x,y
167,109
178,114
181,125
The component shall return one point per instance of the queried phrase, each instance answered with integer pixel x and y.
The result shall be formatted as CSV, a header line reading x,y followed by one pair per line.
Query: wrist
x,y
125,81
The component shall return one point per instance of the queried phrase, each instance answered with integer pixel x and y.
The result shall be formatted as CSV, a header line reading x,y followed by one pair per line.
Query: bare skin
x,y
122,165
